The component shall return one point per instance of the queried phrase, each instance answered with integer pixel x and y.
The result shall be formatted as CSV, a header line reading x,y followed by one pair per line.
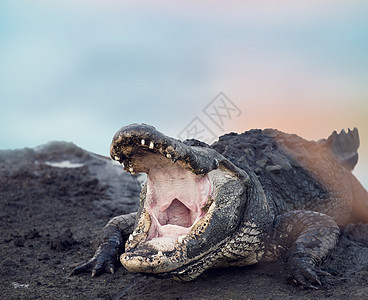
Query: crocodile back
x,y
295,174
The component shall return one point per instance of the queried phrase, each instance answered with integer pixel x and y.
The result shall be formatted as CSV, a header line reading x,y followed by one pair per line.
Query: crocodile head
x,y
192,201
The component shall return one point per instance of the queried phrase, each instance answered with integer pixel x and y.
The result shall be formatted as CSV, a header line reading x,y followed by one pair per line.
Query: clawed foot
x,y
105,260
305,272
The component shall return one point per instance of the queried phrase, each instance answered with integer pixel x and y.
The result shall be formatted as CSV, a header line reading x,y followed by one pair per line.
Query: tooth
x,y
181,238
130,237
143,142
159,253
168,155
131,170
151,145
116,157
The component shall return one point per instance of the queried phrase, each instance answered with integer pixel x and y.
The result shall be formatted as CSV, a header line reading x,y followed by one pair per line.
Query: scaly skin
x,y
274,195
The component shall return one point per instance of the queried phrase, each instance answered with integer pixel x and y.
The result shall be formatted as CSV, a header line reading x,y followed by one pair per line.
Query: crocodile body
x,y
257,196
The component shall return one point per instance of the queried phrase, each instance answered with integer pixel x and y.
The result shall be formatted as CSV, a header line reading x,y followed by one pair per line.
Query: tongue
x,y
172,231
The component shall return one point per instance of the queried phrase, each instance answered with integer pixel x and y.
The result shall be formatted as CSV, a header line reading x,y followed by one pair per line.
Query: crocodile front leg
x,y
114,236
307,237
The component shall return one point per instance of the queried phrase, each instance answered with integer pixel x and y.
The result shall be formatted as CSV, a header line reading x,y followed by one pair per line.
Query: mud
x,y
55,199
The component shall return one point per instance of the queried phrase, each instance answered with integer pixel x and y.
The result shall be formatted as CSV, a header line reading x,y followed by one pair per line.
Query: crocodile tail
x,y
344,146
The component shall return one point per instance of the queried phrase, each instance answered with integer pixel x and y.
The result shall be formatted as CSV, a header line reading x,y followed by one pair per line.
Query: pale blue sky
x,y
79,70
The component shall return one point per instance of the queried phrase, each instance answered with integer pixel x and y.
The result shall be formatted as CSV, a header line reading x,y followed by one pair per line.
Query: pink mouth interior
x,y
174,200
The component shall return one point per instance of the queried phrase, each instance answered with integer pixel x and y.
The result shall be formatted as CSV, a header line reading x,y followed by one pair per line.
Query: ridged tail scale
x,y
344,146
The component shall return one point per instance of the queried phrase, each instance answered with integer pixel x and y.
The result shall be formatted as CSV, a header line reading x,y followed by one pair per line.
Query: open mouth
x,y
177,201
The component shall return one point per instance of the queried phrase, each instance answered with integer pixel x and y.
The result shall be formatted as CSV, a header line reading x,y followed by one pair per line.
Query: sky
x,y
79,70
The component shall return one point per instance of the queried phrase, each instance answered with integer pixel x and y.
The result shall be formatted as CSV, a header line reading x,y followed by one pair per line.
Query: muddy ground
x,y
55,199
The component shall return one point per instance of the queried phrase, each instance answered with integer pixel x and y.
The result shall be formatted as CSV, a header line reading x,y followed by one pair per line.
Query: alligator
x,y
253,197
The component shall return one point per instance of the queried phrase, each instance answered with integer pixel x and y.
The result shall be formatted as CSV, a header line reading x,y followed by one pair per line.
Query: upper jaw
x,y
134,141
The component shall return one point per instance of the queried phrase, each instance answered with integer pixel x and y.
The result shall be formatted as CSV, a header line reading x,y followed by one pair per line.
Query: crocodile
x,y
253,197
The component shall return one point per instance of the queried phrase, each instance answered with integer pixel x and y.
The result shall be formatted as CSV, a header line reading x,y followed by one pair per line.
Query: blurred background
x,y
78,70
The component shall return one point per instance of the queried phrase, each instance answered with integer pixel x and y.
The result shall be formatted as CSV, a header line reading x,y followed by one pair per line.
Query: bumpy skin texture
x,y
297,195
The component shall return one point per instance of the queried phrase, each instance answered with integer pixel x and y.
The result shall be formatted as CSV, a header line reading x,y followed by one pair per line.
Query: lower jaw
x,y
159,254
153,263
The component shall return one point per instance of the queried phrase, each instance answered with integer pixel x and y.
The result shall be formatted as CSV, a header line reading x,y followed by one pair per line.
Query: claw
x,y
323,273
305,272
110,267
318,281
96,272
304,284
311,276
105,258
311,286
86,267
